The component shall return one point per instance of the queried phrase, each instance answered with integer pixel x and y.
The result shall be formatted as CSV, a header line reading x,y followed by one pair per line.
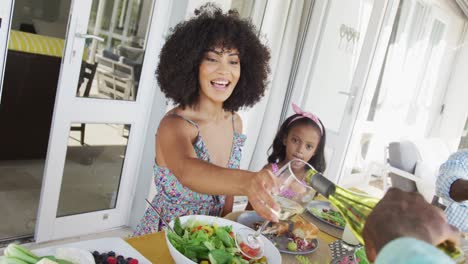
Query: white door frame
x,y
6,13
370,59
70,109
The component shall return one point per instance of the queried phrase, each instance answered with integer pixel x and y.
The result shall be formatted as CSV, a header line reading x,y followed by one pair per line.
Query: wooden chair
x,y
117,78
87,72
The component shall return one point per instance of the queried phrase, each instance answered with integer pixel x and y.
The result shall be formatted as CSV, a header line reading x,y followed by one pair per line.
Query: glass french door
x,y
5,17
344,41
103,100
30,61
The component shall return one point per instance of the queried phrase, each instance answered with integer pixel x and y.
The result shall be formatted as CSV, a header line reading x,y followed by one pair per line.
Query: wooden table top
x,y
154,247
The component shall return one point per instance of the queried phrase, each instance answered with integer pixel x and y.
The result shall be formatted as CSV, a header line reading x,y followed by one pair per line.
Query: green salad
x,y
207,244
330,216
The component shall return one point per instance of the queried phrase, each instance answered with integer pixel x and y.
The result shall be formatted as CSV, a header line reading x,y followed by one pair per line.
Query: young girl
x,y
301,136
210,66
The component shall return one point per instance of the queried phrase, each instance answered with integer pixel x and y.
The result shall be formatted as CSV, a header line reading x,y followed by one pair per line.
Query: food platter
x,y
323,211
252,220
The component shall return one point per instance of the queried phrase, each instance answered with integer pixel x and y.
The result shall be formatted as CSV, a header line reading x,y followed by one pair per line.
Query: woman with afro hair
x,y
210,66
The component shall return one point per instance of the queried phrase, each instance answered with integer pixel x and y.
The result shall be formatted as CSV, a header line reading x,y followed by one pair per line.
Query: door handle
x,y
89,36
350,95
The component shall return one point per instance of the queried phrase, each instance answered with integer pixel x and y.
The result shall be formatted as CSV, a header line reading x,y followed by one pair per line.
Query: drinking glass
x,y
293,195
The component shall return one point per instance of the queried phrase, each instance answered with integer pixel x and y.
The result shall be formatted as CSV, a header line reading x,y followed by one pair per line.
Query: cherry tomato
x,y
248,250
196,228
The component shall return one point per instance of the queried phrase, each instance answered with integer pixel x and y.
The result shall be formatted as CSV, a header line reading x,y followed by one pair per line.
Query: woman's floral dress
x,y
173,199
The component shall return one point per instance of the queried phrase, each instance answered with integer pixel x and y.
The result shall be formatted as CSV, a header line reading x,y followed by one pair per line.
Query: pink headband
x,y
303,114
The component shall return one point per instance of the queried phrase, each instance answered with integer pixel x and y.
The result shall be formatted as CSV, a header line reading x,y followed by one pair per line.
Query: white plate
x,y
116,244
270,252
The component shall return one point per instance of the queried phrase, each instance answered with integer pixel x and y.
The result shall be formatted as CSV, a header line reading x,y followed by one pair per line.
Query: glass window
x,y
93,168
112,68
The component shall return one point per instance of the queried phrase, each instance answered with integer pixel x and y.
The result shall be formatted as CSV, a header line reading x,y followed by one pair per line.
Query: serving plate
x,y
320,205
250,219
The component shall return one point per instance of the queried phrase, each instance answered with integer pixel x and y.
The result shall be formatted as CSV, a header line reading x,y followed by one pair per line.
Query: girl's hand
x,y
259,189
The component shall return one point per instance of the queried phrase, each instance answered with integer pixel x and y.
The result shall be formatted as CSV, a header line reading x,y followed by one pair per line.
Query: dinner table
x,y
154,248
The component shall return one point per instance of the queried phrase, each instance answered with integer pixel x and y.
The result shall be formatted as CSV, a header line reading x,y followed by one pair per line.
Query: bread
x,y
278,229
304,229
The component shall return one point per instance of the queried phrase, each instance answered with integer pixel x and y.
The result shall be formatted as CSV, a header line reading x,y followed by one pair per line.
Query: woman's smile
x,y
220,84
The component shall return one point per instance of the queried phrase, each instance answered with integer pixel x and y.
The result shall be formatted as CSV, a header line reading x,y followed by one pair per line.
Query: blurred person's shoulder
x,y
459,156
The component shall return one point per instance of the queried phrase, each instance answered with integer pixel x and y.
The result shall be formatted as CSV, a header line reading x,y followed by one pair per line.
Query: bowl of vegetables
x,y
211,240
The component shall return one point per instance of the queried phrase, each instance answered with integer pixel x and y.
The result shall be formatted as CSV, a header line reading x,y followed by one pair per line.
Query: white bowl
x,y
271,252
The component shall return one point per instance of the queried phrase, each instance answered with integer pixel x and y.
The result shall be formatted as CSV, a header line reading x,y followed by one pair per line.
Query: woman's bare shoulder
x,y
175,125
238,123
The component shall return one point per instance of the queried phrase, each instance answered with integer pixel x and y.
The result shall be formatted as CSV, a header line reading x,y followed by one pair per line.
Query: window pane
x,y
93,168
111,69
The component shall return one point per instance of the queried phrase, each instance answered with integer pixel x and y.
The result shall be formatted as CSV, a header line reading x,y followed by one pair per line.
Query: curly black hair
x,y
181,55
278,149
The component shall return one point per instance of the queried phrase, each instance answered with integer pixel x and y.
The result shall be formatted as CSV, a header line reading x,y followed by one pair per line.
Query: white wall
x,y
455,114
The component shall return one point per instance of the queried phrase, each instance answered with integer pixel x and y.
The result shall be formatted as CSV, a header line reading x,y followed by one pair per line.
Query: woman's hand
x,y
405,214
259,189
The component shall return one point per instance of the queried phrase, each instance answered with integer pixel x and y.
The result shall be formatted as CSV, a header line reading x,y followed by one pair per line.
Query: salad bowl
x,y
270,251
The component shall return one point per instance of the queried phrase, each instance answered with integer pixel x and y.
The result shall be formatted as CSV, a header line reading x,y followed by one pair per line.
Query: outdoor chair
x,y
87,72
414,166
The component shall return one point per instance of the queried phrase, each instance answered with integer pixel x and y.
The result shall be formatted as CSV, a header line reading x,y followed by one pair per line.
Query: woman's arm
x,y
174,140
228,205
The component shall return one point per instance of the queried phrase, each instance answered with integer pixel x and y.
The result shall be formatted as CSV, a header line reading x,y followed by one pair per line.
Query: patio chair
x,y
87,72
117,76
414,166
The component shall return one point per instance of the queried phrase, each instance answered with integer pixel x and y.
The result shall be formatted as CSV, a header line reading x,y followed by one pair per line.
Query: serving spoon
x,y
160,216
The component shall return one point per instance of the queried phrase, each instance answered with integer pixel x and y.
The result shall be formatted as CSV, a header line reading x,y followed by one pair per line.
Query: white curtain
x,y
280,26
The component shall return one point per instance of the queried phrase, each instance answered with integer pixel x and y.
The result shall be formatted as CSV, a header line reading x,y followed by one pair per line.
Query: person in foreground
x,y
452,187
210,66
404,228
301,136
